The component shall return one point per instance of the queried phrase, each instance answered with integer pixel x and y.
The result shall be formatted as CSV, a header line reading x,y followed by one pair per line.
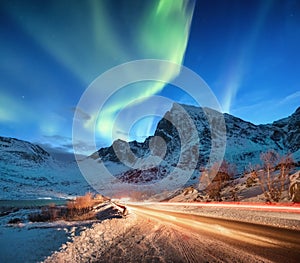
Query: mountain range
x,y
240,142
186,139
27,171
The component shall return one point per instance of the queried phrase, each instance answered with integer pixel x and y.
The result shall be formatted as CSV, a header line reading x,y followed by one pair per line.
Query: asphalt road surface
x,y
218,240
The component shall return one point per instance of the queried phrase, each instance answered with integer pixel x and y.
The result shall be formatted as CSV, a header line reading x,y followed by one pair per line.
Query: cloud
x,y
84,147
58,143
50,148
81,114
57,138
290,98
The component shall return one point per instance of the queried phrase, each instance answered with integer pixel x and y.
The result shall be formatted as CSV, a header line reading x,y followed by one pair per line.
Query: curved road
x,y
264,243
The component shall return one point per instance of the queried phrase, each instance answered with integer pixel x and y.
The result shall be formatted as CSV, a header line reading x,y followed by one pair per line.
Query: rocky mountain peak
x,y
245,141
297,112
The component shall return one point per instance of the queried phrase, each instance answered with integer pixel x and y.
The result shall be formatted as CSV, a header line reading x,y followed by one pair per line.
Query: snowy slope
x,y
244,144
12,150
28,172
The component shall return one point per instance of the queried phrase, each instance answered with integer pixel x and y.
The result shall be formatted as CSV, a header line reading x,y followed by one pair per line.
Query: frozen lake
x,y
28,242
30,203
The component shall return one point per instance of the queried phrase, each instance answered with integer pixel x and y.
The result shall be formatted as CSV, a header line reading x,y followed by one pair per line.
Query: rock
x,y
245,142
294,189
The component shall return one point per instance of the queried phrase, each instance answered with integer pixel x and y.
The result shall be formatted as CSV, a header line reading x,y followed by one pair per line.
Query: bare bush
x,y
79,209
80,206
214,191
53,211
15,221
48,213
222,177
252,175
273,175
250,181
188,190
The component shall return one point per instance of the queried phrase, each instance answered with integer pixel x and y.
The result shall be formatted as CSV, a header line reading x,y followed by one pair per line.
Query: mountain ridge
x,y
245,141
29,167
27,171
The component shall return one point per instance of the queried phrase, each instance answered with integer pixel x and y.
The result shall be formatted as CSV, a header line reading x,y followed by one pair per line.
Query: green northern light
x,y
163,34
51,51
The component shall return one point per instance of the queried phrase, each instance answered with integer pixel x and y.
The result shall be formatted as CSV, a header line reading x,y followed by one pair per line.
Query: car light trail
x,y
292,208
195,223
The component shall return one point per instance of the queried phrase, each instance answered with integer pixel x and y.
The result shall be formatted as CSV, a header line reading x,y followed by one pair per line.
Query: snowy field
x,y
134,238
33,242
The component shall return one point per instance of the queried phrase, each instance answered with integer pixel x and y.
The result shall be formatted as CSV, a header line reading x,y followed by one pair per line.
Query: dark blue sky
x,y
247,51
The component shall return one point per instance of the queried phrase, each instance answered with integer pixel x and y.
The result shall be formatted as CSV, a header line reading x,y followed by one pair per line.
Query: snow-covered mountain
x,y
244,144
182,143
13,150
27,172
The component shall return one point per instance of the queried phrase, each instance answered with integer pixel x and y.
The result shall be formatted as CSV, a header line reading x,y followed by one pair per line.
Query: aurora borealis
x,y
51,51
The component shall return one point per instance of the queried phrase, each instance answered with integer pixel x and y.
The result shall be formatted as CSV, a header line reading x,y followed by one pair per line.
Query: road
x,y
218,240
147,234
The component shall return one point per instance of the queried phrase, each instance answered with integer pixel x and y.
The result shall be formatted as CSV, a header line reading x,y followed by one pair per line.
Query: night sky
x,y
247,51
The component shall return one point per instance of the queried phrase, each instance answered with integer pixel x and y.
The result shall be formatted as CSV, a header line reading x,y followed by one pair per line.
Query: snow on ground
x,y
141,239
138,239
29,242
244,190
33,242
21,244
133,238
92,242
55,180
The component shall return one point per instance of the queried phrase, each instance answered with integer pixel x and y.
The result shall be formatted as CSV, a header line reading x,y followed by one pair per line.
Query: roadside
x,y
139,239
25,241
142,237
145,236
